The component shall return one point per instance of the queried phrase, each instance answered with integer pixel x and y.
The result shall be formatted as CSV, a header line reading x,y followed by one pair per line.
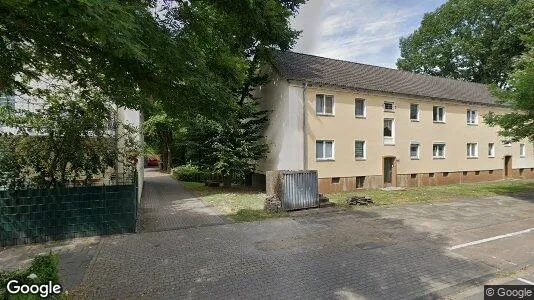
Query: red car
x,y
152,161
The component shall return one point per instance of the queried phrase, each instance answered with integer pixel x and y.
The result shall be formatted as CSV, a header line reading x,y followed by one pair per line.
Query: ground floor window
x,y
414,150
324,150
360,180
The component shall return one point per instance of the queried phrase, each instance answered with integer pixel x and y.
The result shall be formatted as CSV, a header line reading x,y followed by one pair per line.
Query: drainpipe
x,y
304,136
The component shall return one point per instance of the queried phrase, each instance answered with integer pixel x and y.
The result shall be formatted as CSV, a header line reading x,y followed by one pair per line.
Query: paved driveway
x,y
396,252
167,205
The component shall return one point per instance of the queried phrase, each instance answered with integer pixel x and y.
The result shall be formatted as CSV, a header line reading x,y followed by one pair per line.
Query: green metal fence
x,y
40,215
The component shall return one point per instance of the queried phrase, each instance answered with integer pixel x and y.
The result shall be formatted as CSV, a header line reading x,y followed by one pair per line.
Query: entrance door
x,y
389,167
507,165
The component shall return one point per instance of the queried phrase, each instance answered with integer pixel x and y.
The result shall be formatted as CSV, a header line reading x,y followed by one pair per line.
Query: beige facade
x,y
304,126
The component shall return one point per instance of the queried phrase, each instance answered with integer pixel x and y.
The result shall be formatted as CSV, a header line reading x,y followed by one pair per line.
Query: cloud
x,y
356,30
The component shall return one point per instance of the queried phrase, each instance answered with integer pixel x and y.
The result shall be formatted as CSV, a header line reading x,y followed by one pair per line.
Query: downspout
x,y
304,136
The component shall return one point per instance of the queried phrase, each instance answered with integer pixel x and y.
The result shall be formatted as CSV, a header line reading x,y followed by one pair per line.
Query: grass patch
x,y
438,193
46,267
241,204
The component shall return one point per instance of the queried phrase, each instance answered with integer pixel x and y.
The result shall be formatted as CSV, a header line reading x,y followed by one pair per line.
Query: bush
x,y
46,267
190,173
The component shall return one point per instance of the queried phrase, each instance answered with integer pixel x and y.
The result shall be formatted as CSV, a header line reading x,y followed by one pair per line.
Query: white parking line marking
x,y
490,239
525,281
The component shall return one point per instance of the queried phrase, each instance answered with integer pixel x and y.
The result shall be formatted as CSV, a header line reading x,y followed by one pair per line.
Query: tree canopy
x,y
473,40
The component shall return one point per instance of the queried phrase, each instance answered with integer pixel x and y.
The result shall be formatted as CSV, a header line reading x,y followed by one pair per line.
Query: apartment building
x,y
363,126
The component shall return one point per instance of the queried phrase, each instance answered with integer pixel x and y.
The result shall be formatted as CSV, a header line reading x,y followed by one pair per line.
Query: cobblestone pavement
x,y
167,205
394,253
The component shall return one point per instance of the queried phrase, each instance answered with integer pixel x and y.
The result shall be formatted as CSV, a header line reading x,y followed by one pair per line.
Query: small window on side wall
x,y
324,104
389,106
359,108
522,150
414,150
491,150
359,150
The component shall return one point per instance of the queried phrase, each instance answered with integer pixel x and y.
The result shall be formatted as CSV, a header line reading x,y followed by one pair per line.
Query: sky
x,y
365,31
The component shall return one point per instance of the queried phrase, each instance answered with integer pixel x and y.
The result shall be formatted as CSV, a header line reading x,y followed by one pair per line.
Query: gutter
x,y
304,117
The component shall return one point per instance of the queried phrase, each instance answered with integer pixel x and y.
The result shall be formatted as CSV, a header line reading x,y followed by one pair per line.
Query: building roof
x,y
351,75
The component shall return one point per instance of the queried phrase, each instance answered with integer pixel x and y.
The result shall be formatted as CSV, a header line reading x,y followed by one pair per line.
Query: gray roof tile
x,y
345,74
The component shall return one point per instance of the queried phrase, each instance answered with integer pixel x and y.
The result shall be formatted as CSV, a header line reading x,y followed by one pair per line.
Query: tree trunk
x,y
227,181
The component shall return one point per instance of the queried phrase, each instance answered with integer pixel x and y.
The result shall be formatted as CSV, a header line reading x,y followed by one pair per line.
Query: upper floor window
x,y
359,150
472,150
414,112
491,150
324,104
359,108
522,150
472,117
324,150
438,150
439,113
389,106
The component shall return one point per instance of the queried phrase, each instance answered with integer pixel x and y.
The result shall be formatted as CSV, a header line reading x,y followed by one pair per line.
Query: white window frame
x,y
324,150
469,115
469,154
418,150
364,108
522,150
392,106
324,113
418,112
491,150
389,140
444,150
444,115
364,150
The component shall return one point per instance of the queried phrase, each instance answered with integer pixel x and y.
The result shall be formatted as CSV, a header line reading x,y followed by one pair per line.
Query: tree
x,y
67,138
519,95
473,40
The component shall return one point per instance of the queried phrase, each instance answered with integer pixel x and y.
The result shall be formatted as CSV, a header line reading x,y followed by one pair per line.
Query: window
x,y
335,180
389,106
359,108
522,150
472,117
414,112
472,150
445,174
324,104
491,150
439,114
389,132
414,150
7,100
324,150
430,174
359,150
438,150
360,181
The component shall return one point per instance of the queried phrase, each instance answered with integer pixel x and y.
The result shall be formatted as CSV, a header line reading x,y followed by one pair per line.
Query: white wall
x,y
284,132
134,118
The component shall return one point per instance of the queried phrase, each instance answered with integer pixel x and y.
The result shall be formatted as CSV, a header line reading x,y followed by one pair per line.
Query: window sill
x,y
325,159
389,110
361,117
440,122
325,115
438,157
472,124
472,157
491,156
414,120
522,156
360,159
414,158
387,144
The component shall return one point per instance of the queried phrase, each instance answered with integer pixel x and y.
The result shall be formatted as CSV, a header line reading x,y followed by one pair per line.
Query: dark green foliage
x,y
473,40
189,173
66,139
519,124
